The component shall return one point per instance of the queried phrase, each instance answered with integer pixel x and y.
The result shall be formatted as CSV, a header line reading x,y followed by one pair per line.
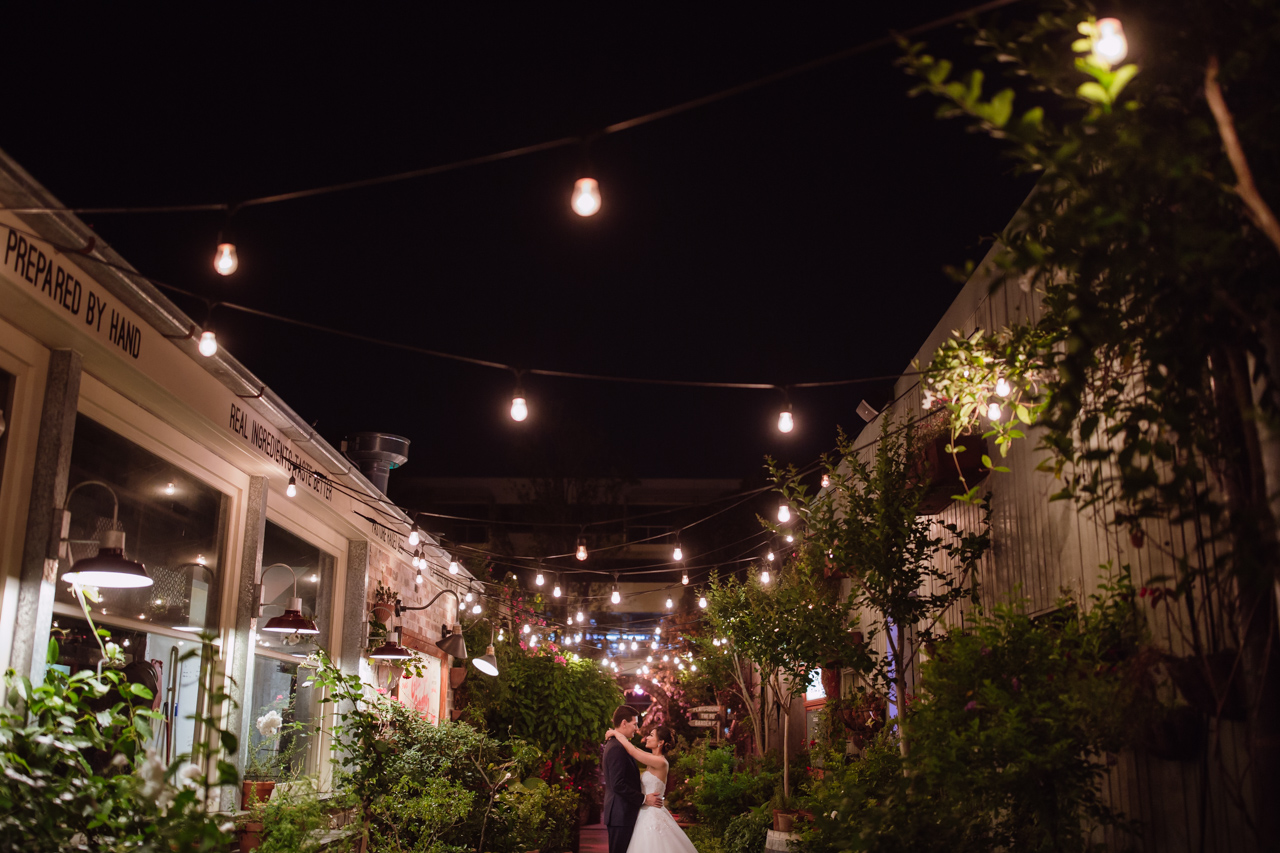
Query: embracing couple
x,y
633,809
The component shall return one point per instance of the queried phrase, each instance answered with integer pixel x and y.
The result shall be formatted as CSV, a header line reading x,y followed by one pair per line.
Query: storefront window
x,y
282,687
6,415
173,523
286,557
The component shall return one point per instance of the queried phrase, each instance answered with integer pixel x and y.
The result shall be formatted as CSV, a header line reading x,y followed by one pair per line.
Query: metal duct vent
x,y
376,454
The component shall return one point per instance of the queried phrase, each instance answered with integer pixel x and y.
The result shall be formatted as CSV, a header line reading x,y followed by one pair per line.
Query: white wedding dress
x,y
656,830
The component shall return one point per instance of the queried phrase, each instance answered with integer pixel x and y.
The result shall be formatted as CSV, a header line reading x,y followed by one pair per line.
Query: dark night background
x,y
795,233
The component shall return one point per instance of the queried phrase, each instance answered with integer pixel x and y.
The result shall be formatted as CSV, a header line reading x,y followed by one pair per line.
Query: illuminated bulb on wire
x,y
538,580
414,538
657,629
634,645
826,481
586,197
454,568
616,598
716,641
654,645
702,602
684,579
649,659
208,343
994,412
1111,46
786,421
666,658
292,489
581,553
225,261
769,556
580,619
526,628
556,592
764,576
784,513
693,667
669,604
1003,388
476,608
467,598
519,407
678,554
790,538
418,579
169,489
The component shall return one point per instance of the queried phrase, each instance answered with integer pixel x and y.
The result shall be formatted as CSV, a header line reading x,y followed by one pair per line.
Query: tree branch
x,y
1258,209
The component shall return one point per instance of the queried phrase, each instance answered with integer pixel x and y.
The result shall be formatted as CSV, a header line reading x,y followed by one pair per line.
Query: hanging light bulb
x,y
454,568
684,579
225,261
994,412
669,604
538,580
292,489
556,592
786,421
476,608
654,645
702,602
678,554
634,645
414,537
1111,46
657,629
526,628
616,597
693,667
580,616
666,658
1003,388
208,343
826,481
769,556
586,197
169,489
581,553
649,659
784,513
764,576
790,538
519,407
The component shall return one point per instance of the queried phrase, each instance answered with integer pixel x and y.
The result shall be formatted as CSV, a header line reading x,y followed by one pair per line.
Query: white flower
x,y
834,814
151,772
227,827
80,841
189,776
270,723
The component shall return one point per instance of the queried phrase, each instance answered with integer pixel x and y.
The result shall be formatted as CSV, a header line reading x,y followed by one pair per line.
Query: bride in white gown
x,y
656,830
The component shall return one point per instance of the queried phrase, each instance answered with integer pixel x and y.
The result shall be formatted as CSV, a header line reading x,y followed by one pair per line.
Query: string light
x,y
225,261
208,343
527,629
693,667
702,602
586,197
684,578
414,536
418,579
556,592
764,576
657,629
519,406
790,538
580,619
1003,388
669,604
994,412
769,556
784,513
654,645
169,489
538,580
634,645
616,597
292,489
454,568
786,421
581,553
476,608
678,554
666,658
826,481
1111,46
649,659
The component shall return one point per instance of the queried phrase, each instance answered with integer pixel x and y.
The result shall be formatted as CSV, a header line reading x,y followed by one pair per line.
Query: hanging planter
x,y
938,468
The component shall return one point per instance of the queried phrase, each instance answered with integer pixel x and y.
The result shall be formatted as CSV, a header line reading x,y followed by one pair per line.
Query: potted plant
x,y
384,603
785,810
863,714
271,753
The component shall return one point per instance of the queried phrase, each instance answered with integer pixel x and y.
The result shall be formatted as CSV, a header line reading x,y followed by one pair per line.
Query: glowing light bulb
x,y
649,659
538,580
292,489
716,641
519,408
786,421
693,667
666,658
790,538
225,261
467,598
634,645
208,343
658,630
764,576
684,579
418,579
784,513
169,489
638,690
579,616
678,554
654,645
702,602
581,553
586,197
556,592
769,556
454,568
604,662
826,481
1111,46
681,667
414,538
1003,388
669,604
994,412
476,608
526,628
616,598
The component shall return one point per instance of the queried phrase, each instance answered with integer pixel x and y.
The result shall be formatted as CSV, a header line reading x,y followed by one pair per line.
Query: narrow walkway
x,y
593,839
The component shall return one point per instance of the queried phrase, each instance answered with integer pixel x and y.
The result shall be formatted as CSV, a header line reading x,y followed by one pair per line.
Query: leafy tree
x,y
1154,251
867,526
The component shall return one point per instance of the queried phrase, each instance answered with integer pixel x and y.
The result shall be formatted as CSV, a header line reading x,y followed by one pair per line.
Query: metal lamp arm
x,y
401,608
262,588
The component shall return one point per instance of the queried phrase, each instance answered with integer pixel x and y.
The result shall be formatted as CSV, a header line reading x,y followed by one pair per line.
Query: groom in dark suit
x,y
623,796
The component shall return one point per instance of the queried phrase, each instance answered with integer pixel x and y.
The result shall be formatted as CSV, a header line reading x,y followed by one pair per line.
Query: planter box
x,y
937,467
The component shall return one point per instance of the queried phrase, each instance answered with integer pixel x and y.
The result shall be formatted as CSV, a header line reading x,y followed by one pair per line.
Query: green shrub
x,y
719,786
417,813
746,832
292,818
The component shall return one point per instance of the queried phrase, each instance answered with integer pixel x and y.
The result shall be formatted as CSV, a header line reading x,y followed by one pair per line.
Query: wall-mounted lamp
x,y
488,662
391,649
451,641
291,621
110,568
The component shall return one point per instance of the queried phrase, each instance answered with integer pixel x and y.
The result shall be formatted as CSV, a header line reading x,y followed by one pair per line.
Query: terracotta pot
x,y
250,836
258,790
783,820
383,611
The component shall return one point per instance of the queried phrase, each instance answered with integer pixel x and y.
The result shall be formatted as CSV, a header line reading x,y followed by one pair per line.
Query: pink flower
x,y
279,696
523,647
382,690
560,660
972,706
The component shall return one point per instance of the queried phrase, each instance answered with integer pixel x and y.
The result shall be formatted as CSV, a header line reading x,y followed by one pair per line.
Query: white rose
x,y
270,723
189,776
151,772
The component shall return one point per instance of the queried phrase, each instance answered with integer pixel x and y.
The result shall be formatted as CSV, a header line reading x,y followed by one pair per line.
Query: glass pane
x,y
173,524
6,415
152,660
815,689
279,752
313,570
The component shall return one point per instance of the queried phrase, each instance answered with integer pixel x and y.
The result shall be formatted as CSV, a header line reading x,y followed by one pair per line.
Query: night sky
x,y
795,233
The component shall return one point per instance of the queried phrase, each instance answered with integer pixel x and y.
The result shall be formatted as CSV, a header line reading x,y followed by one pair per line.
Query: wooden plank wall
x,y
1041,549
